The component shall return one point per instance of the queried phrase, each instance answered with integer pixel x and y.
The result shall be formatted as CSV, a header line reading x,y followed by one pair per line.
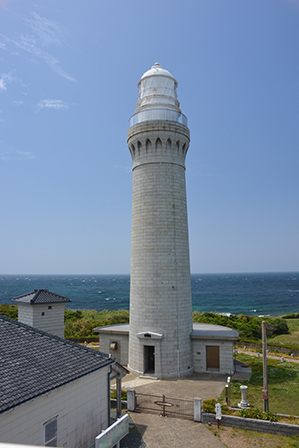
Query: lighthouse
x,y
161,341
160,288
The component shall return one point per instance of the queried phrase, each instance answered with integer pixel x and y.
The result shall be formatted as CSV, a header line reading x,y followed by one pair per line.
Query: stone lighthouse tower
x,y
160,295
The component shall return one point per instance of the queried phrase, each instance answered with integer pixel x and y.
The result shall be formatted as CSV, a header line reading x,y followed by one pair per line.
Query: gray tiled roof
x,y
39,296
33,362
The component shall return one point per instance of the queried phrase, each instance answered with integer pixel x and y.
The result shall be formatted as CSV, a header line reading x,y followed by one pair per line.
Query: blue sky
x,y
68,85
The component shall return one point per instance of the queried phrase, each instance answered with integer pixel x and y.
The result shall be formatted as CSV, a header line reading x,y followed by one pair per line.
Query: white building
x,y
161,340
212,347
53,392
42,309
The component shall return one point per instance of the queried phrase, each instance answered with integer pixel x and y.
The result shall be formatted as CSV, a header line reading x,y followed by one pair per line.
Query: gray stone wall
x,y
160,297
226,355
120,354
252,424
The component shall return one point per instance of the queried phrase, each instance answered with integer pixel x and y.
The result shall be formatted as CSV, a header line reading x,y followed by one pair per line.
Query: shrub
x,y
9,311
72,315
80,323
123,394
290,316
249,327
209,405
256,413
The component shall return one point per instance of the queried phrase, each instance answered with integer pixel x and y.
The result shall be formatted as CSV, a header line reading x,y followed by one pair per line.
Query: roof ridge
x,y
37,293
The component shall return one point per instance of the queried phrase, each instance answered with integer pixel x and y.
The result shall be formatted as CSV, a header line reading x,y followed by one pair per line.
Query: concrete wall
x,y
48,317
81,407
226,355
122,351
252,424
160,291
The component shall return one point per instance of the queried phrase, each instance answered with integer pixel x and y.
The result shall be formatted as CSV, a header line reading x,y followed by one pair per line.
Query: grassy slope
x,y
290,340
283,385
243,438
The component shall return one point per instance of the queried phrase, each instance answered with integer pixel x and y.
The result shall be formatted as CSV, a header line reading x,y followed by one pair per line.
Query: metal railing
x,y
165,406
158,114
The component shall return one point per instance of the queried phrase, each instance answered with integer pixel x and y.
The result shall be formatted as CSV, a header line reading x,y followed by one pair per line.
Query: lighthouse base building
x,y
161,341
211,348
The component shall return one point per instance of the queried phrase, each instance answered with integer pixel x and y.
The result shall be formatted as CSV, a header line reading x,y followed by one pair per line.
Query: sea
x,y
262,294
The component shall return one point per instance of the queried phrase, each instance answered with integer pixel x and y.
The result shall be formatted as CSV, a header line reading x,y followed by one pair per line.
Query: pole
x,y
118,397
265,372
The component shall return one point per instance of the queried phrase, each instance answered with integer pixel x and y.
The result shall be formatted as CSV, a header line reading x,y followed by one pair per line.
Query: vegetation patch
x,y
209,406
283,386
249,327
123,394
9,311
80,323
244,438
290,340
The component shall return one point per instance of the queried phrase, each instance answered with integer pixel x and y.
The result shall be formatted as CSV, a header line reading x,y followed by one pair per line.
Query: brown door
x,y
212,357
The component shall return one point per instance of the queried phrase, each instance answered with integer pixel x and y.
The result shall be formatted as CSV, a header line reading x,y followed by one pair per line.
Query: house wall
x,y
122,352
226,355
81,407
52,321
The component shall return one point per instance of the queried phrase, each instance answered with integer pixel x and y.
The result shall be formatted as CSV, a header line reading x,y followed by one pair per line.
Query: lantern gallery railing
x,y
158,114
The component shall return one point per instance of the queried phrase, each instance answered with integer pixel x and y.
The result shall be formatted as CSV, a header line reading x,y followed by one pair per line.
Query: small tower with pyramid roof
x,y
42,309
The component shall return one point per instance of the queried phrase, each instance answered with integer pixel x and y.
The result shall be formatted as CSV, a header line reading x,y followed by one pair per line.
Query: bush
x,y
70,315
9,311
249,327
123,394
256,413
80,323
290,316
209,406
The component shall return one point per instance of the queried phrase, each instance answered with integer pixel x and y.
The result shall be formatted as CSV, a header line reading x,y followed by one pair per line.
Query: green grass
x,y
236,437
80,323
290,340
283,385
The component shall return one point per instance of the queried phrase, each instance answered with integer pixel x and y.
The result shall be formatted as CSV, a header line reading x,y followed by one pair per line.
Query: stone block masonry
x,y
253,424
160,298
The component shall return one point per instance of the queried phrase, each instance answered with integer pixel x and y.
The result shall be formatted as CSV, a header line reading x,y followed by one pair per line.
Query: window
x,y
49,307
50,432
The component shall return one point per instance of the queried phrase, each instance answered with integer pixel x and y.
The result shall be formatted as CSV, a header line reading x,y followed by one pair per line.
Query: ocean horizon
x,y
260,294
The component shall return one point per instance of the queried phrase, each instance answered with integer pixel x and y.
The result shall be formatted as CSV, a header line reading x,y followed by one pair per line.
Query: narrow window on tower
x,y
148,145
168,145
139,147
158,144
133,150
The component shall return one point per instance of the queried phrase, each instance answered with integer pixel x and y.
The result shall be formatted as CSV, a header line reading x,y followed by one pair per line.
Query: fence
x,y
165,406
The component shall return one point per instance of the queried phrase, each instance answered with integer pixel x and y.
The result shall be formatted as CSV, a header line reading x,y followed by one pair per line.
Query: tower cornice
x,y
158,126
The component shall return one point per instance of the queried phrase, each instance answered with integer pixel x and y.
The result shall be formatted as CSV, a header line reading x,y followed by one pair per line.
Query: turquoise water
x,y
254,294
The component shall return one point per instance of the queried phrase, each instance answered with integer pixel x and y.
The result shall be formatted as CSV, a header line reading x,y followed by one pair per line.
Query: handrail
x,y
158,114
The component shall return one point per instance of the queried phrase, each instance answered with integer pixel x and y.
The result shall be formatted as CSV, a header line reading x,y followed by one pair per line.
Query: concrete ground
x,y
154,431
169,432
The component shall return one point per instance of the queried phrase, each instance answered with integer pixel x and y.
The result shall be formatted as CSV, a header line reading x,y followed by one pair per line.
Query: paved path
x,y
169,432
286,357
